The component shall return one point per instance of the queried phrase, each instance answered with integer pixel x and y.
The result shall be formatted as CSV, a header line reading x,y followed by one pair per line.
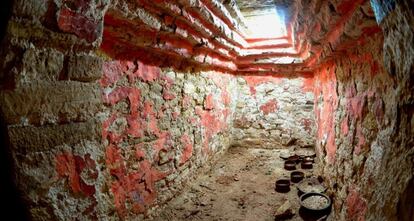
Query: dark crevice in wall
x,y
13,205
10,195
5,13
406,204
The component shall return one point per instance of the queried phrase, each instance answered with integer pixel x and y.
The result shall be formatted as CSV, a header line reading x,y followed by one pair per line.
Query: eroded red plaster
x,y
325,88
307,85
379,110
225,97
71,166
356,205
147,73
188,149
186,101
344,126
361,140
209,102
213,122
135,125
79,24
168,95
269,107
356,106
254,81
150,115
112,71
167,81
137,188
114,161
307,124
133,94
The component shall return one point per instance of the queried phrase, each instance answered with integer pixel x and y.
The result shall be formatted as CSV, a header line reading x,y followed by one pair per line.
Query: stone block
x,y
28,139
30,8
41,64
85,67
51,102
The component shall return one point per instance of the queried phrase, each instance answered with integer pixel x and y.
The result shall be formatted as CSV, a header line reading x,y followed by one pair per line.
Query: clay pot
x,y
295,158
308,159
310,185
316,207
296,176
290,165
307,165
285,155
282,186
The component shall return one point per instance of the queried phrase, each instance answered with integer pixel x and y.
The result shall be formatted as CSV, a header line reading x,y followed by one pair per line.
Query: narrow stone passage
x,y
241,186
130,110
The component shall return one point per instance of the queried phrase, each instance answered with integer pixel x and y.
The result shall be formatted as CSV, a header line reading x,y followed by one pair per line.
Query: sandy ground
x,y
239,187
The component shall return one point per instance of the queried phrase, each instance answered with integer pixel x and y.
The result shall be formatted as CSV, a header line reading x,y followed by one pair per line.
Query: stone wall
x,y
50,106
364,124
273,112
93,137
160,127
98,138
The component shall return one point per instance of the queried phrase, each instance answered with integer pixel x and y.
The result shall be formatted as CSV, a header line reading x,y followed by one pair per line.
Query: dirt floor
x,y
241,186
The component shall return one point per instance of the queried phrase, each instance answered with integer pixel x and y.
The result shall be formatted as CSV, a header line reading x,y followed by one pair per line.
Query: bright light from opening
x,y
267,24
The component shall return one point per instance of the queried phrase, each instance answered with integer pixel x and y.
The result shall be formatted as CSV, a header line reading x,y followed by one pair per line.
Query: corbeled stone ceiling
x,y
214,34
257,4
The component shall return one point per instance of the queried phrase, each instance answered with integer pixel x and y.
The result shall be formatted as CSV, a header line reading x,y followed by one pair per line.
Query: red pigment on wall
x,y
77,23
112,71
139,153
137,188
222,81
150,115
175,115
344,126
307,124
120,93
361,140
225,97
186,101
167,95
254,81
269,107
213,124
355,106
71,166
147,73
209,102
325,87
188,149
307,85
114,161
379,110
356,205
167,82
106,134
135,124
346,8
163,142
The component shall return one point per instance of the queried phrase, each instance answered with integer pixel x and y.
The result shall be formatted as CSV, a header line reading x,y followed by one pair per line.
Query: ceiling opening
x,y
265,23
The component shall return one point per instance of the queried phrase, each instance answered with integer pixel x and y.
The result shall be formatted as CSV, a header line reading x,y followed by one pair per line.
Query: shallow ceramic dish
x,y
310,185
315,202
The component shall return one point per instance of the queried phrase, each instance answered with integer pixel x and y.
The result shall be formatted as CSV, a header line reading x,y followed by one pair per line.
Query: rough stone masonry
x,y
110,107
